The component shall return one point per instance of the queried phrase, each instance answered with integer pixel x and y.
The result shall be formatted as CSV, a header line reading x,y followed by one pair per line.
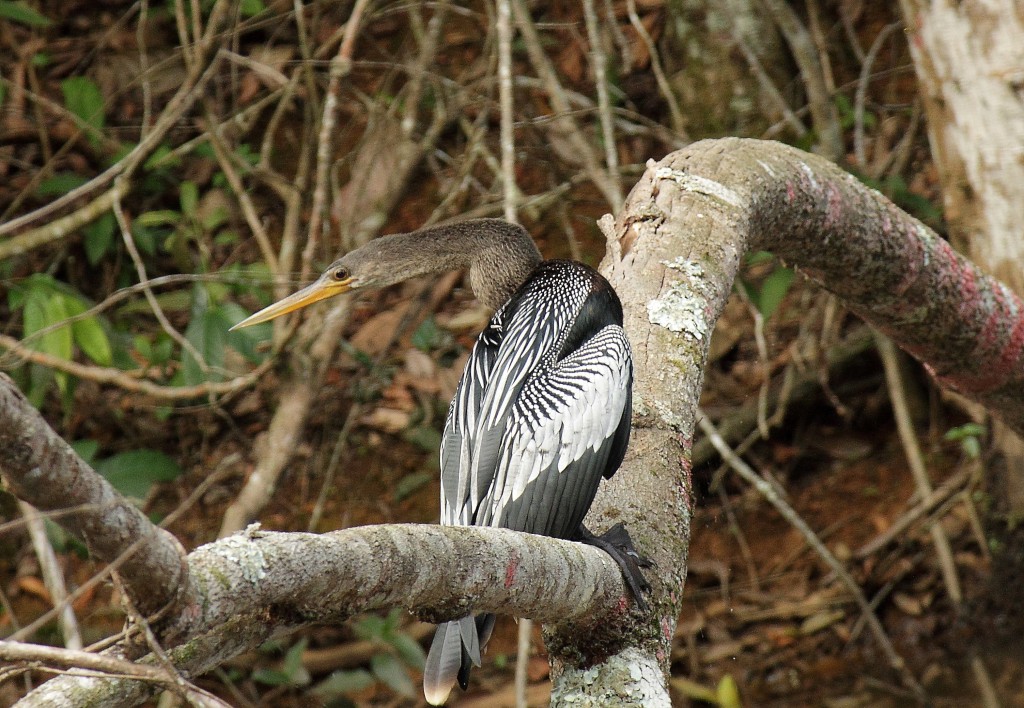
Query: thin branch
x,y
43,470
905,429
341,65
177,106
154,304
510,192
678,121
562,121
599,60
823,111
860,98
53,575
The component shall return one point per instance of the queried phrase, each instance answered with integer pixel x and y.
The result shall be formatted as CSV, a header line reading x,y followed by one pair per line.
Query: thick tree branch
x,y
965,326
279,581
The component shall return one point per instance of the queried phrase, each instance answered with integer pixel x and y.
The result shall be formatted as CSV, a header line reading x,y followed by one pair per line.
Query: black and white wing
x,y
463,413
568,428
520,335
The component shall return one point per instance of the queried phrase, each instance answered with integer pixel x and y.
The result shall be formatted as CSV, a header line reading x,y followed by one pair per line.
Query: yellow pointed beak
x,y
324,287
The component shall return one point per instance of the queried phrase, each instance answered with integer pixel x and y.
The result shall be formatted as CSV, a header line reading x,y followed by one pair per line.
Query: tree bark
x,y
969,60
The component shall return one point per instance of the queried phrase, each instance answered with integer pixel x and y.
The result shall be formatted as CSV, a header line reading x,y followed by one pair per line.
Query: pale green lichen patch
x,y
629,679
700,185
679,310
246,555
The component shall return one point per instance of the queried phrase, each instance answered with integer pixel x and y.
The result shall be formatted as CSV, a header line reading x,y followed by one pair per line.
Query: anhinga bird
x,y
542,412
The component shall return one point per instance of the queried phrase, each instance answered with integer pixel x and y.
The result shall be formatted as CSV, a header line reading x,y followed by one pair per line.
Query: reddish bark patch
x,y
510,571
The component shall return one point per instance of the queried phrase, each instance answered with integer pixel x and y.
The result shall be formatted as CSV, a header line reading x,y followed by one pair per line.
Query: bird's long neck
x,y
500,255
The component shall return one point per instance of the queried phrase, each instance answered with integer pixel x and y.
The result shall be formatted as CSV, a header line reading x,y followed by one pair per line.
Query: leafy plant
x,y
773,288
18,11
48,307
291,672
969,436
390,666
133,472
83,98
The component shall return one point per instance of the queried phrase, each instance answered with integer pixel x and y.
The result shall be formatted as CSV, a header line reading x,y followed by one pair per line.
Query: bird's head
x,y
346,273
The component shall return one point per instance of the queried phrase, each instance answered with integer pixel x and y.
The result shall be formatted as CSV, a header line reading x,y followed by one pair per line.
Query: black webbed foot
x,y
617,543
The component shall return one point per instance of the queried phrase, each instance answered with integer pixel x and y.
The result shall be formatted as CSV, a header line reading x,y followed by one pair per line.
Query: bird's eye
x,y
341,274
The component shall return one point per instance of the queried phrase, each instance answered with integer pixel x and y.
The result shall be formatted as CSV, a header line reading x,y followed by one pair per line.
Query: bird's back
x,y
543,408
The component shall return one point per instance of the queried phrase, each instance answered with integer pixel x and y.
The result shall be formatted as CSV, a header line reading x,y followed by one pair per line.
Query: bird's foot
x,y
617,543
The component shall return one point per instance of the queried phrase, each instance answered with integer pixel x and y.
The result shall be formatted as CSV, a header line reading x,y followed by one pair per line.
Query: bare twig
x,y
53,576
952,486
905,428
823,110
599,61
125,380
510,191
678,121
340,67
140,269
860,98
563,121
181,102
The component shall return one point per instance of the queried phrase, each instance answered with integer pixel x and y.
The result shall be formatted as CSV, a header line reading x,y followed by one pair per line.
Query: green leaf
x,y
424,437
390,670
967,430
20,12
756,257
271,677
207,331
133,473
86,449
248,8
342,682
727,693
58,537
188,195
92,338
99,237
428,335
44,307
773,290
173,301
162,157
410,484
161,217
88,333
370,627
291,673
293,664
248,341
60,184
409,649
83,98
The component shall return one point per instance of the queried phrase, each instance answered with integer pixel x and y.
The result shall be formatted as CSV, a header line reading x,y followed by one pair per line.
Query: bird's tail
x,y
455,649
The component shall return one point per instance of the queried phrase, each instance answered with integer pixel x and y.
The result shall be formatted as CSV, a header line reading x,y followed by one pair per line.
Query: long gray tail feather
x,y
455,649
